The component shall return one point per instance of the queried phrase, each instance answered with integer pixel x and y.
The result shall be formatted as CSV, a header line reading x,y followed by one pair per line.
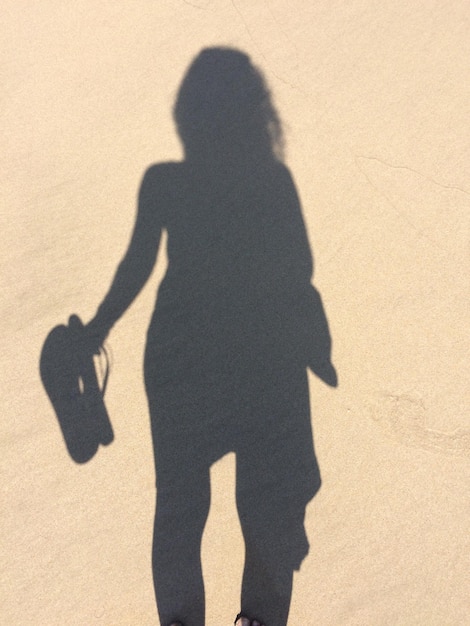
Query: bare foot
x,y
244,621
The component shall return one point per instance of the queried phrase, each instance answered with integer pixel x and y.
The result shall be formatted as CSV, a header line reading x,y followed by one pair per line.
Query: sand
x,y
375,103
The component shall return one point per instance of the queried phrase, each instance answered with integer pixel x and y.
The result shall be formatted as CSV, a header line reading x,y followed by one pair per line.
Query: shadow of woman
x,y
235,326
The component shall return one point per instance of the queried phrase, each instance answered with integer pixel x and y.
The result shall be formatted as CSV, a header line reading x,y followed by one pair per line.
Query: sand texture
x,y
374,99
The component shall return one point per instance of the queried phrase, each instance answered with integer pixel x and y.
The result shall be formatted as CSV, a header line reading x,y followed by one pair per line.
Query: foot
x,y
244,621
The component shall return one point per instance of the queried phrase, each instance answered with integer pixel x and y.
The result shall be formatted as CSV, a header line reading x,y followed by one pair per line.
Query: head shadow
x,y
224,109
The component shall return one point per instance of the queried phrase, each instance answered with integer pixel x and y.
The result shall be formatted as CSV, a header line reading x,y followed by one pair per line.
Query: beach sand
x,y
375,104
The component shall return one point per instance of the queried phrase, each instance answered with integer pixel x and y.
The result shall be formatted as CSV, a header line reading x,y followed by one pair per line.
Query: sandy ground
x,y
375,102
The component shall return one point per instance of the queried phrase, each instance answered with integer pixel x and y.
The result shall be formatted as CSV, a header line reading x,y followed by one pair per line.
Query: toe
x,y
242,621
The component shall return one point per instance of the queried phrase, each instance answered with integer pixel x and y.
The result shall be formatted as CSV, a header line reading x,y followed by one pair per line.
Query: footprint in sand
x,y
403,418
